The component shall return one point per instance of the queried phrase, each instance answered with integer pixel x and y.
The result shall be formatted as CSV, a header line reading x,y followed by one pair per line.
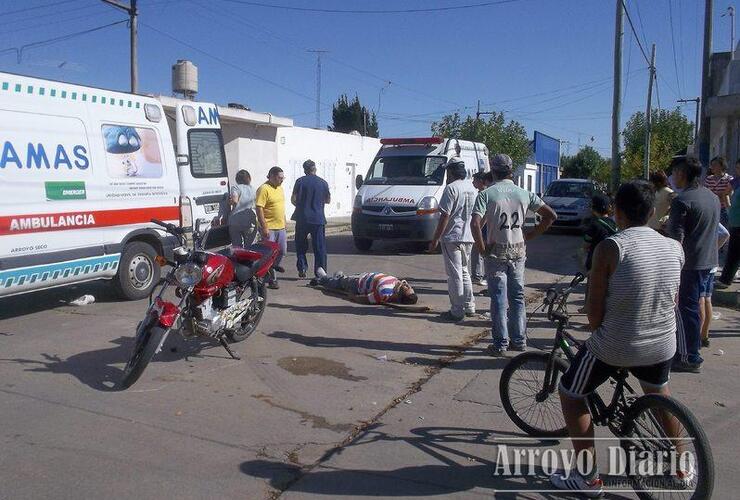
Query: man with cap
x,y
310,194
453,228
504,206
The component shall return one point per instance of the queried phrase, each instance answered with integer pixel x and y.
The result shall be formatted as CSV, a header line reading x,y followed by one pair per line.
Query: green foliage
x,y
586,164
348,116
498,135
671,132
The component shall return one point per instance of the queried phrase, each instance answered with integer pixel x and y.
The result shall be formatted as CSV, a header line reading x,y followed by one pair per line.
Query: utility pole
x,y
706,83
617,102
648,115
696,120
731,14
318,84
132,12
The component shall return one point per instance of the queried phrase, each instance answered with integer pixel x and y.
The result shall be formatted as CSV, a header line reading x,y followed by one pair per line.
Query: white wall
x,y
339,158
251,147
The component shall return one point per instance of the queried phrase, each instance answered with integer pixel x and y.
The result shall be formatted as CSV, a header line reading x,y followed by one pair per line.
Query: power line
x,y
230,64
637,37
59,21
639,18
673,44
370,11
36,7
19,50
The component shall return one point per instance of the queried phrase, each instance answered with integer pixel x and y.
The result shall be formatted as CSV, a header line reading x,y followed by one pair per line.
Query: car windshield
x,y
407,170
569,190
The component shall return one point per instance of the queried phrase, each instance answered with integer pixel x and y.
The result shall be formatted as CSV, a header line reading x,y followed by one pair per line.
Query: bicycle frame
x,y
611,415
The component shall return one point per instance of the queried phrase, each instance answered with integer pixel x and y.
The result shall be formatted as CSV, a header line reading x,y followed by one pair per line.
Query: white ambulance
x,y
399,197
83,171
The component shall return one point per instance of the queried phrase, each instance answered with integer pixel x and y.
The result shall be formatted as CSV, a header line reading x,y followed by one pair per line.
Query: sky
x,y
545,63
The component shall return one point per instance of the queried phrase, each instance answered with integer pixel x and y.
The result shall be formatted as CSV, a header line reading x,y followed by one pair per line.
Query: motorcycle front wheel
x,y
252,317
145,347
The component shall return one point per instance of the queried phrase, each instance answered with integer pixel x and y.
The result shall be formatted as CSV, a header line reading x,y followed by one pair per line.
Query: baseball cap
x,y
501,163
457,167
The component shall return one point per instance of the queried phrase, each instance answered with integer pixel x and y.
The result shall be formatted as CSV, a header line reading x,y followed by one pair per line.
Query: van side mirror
x,y
182,160
358,181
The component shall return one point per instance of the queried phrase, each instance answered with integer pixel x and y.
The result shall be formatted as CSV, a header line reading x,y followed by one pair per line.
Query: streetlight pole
x,y
648,116
132,12
696,120
617,100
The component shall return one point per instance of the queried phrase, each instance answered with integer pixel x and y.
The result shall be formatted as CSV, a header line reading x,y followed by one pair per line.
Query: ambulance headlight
x,y
358,201
188,275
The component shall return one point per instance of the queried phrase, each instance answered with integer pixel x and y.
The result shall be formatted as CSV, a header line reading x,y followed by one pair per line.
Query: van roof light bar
x,y
398,141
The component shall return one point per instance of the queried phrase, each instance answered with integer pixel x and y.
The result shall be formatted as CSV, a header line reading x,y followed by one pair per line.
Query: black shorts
x,y
587,373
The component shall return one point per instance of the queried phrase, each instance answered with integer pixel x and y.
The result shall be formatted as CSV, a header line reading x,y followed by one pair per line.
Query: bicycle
x,y
529,394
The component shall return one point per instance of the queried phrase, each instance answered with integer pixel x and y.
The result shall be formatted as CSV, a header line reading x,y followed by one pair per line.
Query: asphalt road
x,y
319,376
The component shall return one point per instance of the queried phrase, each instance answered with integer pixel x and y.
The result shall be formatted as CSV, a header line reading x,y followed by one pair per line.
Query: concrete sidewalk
x,y
334,225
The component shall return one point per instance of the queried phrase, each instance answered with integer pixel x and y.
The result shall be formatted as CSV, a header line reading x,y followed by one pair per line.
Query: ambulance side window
x,y
206,153
132,151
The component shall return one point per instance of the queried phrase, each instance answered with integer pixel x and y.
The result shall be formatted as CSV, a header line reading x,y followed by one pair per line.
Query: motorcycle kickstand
x,y
231,352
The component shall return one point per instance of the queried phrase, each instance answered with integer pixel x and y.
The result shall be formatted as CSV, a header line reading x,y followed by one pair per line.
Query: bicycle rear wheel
x,y
668,453
529,394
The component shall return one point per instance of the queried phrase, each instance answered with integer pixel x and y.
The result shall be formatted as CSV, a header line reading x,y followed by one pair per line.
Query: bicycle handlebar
x,y
552,296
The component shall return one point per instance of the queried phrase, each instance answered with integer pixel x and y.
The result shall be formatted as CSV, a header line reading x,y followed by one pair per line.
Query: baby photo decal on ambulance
x,y
132,152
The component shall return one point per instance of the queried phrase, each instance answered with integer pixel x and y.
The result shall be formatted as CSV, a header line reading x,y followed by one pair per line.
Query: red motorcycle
x,y
216,295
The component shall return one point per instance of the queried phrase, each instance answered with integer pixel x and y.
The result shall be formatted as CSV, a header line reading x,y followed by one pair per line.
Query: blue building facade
x,y
546,152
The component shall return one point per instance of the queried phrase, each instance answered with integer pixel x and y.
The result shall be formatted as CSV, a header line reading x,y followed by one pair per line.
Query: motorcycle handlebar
x,y
170,228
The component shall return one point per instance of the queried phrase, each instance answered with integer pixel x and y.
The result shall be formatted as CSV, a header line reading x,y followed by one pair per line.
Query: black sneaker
x,y
314,282
496,352
705,342
301,274
519,347
684,367
721,285
273,285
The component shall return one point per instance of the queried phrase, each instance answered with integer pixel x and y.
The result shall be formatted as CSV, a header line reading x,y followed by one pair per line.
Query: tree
x,y
352,116
586,164
671,132
498,135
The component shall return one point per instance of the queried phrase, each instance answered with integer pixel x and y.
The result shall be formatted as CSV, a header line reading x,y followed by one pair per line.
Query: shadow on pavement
x,y
376,345
446,476
351,308
44,300
96,368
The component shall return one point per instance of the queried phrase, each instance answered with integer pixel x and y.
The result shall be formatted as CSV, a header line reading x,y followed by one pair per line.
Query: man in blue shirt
x,y
310,194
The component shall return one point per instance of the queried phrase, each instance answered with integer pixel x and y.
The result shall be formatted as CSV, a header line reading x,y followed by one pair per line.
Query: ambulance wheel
x,y
363,244
138,272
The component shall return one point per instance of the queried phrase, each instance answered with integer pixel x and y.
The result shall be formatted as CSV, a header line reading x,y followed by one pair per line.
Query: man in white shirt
x,y
504,206
453,228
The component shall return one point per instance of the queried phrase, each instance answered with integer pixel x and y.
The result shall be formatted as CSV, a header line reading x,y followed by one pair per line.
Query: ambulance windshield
x,y
206,153
407,170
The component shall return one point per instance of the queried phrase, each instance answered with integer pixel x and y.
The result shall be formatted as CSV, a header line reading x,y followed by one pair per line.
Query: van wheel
x,y
363,244
138,272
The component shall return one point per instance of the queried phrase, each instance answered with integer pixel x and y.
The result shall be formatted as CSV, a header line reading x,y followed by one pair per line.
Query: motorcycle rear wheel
x,y
252,318
144,349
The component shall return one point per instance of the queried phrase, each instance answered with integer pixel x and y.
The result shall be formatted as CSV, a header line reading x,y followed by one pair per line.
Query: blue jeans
x,y
318,240
506,289
688,331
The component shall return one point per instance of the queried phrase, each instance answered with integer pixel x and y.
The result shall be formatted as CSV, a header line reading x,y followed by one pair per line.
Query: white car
x,y
571,200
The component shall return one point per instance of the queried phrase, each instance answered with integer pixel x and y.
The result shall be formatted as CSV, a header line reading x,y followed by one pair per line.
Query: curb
x,y
729,298
329,230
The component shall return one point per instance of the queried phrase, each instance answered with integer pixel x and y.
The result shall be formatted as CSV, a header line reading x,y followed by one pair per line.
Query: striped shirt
x,y
719,186
378,287
639,326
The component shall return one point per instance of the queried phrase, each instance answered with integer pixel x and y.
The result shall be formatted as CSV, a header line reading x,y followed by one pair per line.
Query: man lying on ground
x,y
367,288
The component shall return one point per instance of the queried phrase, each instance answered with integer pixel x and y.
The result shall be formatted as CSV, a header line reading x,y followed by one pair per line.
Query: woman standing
x,y
243,219
663,197
719,183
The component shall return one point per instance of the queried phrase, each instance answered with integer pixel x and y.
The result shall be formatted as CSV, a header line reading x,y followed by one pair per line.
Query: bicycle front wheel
x,y
529,394
668,453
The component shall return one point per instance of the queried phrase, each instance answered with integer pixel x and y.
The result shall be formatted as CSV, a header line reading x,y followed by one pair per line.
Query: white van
x,y
399,197
83,171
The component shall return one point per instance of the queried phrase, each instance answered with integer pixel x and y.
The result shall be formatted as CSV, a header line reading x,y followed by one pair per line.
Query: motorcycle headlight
x,y
188,275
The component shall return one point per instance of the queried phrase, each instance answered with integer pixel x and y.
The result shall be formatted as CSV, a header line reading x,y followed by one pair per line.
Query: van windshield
x,y
206,153
407,170
570,190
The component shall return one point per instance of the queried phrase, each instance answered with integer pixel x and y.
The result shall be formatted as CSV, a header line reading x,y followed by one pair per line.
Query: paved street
x,y
330,398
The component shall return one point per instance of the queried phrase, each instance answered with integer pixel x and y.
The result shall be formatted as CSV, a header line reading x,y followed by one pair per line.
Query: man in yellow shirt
x,y
270,205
